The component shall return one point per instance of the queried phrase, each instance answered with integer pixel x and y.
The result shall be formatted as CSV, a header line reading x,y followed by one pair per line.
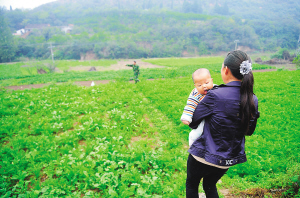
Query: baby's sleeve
x,y
191,105
203,109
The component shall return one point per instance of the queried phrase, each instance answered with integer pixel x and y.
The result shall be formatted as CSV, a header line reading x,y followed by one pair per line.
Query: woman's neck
x,y
227,75
230,79
234,79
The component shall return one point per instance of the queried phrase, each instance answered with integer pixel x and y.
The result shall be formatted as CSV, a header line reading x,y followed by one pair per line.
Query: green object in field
x,y
136,71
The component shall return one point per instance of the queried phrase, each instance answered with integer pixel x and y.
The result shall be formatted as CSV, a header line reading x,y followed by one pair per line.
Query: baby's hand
x,y
185,122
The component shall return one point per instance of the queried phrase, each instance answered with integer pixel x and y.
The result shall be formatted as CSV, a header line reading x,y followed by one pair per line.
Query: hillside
x,y
246,9
140,29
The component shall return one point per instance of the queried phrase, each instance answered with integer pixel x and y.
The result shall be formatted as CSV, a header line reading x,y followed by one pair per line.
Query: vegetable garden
x,y
126,140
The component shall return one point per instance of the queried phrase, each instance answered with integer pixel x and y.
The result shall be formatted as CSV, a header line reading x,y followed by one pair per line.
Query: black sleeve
x,y
253,121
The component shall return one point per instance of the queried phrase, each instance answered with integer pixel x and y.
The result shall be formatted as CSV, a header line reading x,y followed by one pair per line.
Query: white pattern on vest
x,y
229,162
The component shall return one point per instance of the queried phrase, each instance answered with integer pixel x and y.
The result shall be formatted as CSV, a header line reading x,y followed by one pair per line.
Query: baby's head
x,y
202,80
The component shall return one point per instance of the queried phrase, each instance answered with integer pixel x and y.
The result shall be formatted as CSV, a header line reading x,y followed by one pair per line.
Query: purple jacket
x,y
222,142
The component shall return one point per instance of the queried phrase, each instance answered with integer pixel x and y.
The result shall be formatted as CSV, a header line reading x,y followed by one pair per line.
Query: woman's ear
x,y
226,70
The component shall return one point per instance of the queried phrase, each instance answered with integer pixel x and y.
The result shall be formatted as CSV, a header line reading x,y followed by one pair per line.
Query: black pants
x,y
195,172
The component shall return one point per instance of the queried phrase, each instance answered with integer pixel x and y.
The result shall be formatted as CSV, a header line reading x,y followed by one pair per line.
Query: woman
x,y
230,112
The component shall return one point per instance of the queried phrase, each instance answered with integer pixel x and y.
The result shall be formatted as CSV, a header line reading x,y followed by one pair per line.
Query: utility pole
x,y
51,52
299,41
53,66
236,42
298,47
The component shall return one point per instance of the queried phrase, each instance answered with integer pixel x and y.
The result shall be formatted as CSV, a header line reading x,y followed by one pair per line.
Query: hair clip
x,y
245,67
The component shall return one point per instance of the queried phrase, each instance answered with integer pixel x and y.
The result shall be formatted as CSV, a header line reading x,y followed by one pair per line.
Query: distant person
x,y
136,71
202,82
230,112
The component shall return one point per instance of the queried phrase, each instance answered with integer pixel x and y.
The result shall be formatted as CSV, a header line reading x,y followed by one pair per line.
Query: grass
x,y
29,69
176,67
11,71
212,63
181,62
122,139
66,64
263,55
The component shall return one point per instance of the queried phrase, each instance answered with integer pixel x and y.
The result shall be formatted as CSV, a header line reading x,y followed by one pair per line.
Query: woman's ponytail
x,y
247,107
247,102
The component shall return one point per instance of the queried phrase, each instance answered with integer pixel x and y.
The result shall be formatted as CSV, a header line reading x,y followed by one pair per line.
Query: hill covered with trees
x,y
151,28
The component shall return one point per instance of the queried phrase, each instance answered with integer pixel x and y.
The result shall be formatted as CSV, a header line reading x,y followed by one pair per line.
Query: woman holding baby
x,y
230,112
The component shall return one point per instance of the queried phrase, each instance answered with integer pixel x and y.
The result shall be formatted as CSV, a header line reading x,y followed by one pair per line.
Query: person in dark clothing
x,y
136,71
230,112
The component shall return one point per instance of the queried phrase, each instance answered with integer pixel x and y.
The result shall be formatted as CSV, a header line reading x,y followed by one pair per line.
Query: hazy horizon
x,y
21,4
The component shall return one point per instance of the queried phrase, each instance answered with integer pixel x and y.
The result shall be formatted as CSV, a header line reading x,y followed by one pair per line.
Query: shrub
x,y
297,61
282,53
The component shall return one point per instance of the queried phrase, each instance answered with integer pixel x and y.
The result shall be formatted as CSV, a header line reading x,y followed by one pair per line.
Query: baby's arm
x,y
185,122
190,107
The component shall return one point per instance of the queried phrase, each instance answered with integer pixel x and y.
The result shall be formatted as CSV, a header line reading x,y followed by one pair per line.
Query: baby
x,y
202,82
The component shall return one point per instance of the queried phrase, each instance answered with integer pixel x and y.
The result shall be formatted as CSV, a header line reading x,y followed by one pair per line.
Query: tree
x,y
282,53
286,55
197,8
297,61
191,7
23,49
15,19
7,45
221,9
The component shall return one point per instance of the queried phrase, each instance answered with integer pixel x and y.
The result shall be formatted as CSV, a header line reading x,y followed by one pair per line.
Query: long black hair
x,y
247,107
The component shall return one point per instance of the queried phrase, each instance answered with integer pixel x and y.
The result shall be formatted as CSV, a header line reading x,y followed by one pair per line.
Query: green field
x,y
15,74
29,69
66,64
126,140
175,62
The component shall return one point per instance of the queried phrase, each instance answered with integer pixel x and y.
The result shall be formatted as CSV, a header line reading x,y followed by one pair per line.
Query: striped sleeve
x,y
192,102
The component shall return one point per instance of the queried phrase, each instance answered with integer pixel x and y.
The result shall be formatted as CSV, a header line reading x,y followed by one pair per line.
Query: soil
x,y
22,87
119,66
224,192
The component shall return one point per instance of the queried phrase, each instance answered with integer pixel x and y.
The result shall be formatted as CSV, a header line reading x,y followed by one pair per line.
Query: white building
x,y
20,32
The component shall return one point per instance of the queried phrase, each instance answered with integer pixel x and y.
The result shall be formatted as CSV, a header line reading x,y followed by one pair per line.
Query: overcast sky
x,y
23,3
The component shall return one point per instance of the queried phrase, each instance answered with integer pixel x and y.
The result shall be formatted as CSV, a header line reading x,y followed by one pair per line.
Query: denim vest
x,y
222,142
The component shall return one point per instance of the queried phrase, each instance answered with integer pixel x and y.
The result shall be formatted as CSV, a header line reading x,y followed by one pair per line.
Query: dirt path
x,y
119,66
224,192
